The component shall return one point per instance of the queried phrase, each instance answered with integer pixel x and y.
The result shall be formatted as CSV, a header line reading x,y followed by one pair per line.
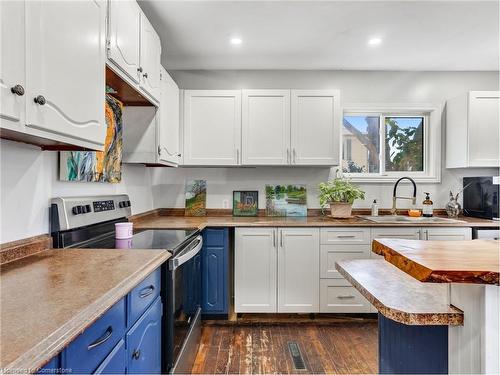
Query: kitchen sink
x,y
390,219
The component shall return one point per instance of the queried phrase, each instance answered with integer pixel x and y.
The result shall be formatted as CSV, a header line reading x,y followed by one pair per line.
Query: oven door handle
x,y
183,257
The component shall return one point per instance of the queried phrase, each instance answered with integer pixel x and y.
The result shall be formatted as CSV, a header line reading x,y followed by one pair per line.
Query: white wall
x,y
29,178
356,87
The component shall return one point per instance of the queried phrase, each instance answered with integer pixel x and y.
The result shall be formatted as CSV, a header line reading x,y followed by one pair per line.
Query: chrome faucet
x,y
394,210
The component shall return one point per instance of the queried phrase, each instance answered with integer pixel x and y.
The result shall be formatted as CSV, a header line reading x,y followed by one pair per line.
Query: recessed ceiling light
x,y
236,41
374,41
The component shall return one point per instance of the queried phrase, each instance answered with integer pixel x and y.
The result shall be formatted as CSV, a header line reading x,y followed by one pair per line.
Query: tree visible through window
x,y
400,149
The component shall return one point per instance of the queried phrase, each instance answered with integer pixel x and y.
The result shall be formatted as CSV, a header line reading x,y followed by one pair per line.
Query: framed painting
x,y
245,203
286,200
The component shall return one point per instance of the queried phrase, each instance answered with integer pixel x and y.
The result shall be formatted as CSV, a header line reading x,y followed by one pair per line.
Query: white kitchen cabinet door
x,y
65,68
124,36
150,59
298,270
446,234
168,145
212,127
255,267
483,132
339,296
12,65
265,127
315,127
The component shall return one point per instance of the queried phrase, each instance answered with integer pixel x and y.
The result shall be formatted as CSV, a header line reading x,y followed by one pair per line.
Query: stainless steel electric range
x,y
89,222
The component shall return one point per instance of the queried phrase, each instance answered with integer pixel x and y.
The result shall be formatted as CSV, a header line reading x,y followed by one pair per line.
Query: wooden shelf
x,y
125,93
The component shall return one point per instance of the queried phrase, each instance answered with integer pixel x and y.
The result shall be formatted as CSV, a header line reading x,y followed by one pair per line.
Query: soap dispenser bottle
x,y
374,208
427,207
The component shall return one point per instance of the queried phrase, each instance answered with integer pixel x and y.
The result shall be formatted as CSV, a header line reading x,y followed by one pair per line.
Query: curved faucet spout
x,y
394,209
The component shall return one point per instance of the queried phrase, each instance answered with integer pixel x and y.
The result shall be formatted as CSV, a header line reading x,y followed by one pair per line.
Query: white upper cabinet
x,y
298,270
316,117
150,54
65,69
265,127
168,145
212,127
472,130
124,37
12,66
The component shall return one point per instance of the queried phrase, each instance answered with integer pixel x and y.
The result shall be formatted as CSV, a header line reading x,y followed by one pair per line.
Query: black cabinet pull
x,y
145,75
18,90
147,291
136,354
40,100
139,69
102,339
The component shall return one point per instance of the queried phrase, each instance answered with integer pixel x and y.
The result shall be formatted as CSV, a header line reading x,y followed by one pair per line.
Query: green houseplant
x,y
339,193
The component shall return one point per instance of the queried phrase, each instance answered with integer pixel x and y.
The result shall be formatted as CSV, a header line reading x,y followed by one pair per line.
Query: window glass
x,y
404,144
361,144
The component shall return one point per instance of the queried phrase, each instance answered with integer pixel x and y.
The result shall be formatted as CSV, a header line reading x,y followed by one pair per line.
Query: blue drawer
x,y
214,237
144,342
115,362
90,348
142,296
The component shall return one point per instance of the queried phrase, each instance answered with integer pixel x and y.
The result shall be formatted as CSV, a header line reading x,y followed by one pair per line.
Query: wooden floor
x,y
337,348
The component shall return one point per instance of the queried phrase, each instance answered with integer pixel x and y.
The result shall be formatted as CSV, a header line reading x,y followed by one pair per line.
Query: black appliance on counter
x,y
89,222
481,196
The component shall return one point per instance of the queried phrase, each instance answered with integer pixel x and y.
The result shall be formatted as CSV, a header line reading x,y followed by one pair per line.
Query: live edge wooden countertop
x,y
160,221
399,296
475,261
49,298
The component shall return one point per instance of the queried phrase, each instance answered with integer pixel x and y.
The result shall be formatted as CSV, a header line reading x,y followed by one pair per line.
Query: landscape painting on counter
x,y
245,203
286,200
196,198
92,166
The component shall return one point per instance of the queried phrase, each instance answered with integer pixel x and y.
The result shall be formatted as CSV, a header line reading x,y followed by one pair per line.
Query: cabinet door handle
x,y
18,90
288,156
345,297
101,340
426,235
274,238
346,236
139,69
294,156
40,99
136,354
147,291
281,238
237,156
145,75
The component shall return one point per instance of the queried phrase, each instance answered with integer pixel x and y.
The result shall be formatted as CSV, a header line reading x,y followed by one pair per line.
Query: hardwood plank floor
x,y
336,348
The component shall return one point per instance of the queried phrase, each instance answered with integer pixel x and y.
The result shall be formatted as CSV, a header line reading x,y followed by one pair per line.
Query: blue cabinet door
x,y
214,270
144,342
115,362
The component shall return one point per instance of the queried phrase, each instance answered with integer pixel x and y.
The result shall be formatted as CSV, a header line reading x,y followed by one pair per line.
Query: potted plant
x,y
339,193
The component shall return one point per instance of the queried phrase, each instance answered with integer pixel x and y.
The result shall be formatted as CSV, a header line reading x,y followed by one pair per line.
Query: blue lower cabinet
x,y
214,271
144,342
89,350
142,296
52,367
115,362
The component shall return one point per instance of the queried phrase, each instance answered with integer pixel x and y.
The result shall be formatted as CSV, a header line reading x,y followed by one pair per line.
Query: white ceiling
x,y
416,35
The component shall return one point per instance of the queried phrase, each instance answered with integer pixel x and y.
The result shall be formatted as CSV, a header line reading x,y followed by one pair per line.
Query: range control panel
x,y
74,212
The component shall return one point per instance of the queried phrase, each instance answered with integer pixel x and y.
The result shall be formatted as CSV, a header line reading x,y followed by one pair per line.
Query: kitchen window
x,y
383,144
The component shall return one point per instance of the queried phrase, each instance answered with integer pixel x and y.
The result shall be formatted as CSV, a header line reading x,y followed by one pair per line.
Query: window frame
x,y
432,140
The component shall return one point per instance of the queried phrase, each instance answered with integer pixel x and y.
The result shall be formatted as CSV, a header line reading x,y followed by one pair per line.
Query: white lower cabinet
x,y
276,270
255,270
339,296
298,270
331,254
446,234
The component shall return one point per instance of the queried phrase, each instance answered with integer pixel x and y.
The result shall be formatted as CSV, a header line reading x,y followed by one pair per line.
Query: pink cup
x,y
123,231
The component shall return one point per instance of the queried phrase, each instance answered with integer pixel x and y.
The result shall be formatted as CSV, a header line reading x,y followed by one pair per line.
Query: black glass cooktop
x,y
168,239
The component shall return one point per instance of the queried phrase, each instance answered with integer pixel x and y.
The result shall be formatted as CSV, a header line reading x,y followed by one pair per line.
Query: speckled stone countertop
x,y
399,296
475,262
49,298
156,221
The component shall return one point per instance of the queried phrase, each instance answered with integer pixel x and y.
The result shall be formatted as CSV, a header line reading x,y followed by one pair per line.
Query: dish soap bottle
x,y
427,206
374,208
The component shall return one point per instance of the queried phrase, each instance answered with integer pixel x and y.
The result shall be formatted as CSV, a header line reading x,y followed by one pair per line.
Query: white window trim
x,y
432,140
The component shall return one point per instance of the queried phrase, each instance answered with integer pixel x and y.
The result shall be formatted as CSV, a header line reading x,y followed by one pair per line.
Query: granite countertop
x,y
399,296
474,261
156,221
49,298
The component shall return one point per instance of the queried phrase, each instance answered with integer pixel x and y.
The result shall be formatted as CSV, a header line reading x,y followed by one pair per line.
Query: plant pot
x,y
340,209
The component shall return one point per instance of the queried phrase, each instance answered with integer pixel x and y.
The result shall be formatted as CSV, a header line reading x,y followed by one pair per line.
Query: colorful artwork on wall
x,y
92,166
245,203
196,198
286,200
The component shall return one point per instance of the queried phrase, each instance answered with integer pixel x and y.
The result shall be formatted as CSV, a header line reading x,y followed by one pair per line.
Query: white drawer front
x,y
410,233
331,254
332,236
341,299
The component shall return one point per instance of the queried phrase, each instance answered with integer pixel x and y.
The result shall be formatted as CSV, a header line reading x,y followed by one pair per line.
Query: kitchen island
x,y
426,278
